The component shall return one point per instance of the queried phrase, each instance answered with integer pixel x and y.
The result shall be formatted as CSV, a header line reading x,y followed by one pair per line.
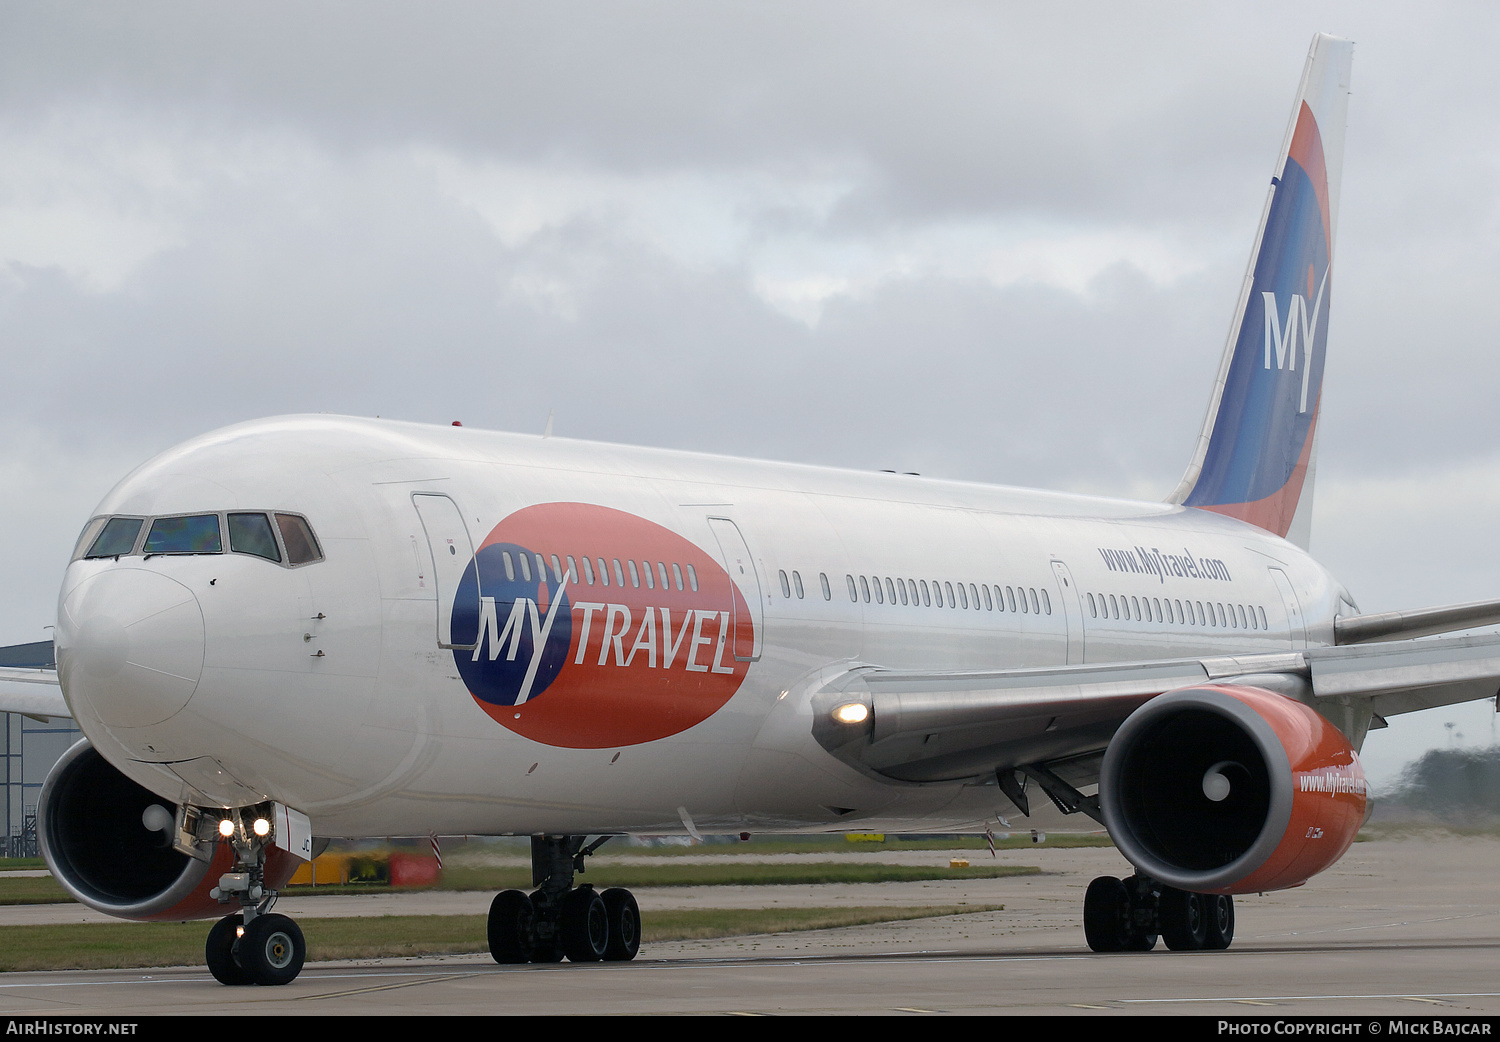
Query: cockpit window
x,y
284,539
251,534
301,544
117,537
194,534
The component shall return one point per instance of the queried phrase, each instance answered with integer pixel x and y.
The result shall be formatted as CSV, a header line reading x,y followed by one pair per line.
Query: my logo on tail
x,y
1284,338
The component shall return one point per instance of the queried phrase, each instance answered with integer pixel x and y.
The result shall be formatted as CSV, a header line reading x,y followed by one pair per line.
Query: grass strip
x,y
31,890
45,890
840,845
623,873
130,945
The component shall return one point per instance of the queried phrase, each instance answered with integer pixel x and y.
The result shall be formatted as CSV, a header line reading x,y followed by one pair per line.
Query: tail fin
x,y
1255,457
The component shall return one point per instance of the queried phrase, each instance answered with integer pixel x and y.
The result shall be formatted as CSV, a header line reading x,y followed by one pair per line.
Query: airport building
x,y
30,747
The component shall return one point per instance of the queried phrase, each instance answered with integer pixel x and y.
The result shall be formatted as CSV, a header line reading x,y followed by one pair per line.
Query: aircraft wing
x,y
28,682
936,726
1405,676
33,692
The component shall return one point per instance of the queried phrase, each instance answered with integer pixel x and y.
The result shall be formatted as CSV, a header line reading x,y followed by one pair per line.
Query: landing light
x,y
852,713
262,827
226,828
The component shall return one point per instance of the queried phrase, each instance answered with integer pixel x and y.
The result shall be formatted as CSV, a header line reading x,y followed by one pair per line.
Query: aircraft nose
x,y
129,646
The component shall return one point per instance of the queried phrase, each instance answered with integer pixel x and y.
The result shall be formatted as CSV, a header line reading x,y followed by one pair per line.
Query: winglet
x,y
1255,456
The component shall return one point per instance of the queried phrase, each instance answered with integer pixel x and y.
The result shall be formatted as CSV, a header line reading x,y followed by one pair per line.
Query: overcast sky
x,y
984,241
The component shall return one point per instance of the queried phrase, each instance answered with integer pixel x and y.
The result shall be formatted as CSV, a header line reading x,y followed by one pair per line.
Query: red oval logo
x,y
592,627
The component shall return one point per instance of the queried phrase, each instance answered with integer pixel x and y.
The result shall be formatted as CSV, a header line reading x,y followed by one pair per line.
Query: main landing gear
x,y
1127,915
255,945
558,919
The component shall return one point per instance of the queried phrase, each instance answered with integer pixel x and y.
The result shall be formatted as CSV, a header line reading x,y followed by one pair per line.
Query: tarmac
x,y
1399,927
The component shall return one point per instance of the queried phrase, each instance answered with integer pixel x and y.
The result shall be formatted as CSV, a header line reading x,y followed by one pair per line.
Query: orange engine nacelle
x,y
94,837
1228,789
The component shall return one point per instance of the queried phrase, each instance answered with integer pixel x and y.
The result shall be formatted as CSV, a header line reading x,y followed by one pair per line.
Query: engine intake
x,y
108,841
1230,789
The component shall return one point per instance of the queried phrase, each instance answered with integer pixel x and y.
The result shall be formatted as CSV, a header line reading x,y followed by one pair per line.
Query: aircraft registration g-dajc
x,y
315,627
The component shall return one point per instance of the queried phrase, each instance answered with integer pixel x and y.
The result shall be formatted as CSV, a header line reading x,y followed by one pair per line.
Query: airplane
x,y
315,627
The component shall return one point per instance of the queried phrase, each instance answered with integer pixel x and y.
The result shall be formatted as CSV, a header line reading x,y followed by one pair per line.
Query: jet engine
x,y
1230,789
109,842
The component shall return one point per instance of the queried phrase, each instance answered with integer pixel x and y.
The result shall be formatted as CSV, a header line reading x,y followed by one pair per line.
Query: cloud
x,y
987,242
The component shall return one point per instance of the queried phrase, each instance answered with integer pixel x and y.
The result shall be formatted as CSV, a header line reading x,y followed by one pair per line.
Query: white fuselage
x,y
324,687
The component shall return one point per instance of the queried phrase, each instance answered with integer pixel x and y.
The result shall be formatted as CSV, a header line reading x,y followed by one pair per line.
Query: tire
x,y
272,949
1184,919
218,951
512,927
1106,915
624,918
1220,921
583,925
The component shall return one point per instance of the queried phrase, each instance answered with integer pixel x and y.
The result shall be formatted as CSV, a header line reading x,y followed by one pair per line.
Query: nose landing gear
x,y
254,945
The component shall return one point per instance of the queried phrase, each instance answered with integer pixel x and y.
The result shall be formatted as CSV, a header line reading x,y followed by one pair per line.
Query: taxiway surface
x,y
1399,927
